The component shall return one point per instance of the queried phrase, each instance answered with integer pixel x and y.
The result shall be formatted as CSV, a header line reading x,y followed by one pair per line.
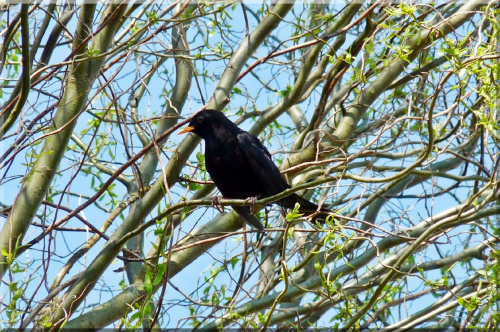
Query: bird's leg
x,y
252,202
216,202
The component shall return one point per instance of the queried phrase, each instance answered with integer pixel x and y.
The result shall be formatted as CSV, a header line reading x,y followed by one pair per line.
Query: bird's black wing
x,y
260,161
267,172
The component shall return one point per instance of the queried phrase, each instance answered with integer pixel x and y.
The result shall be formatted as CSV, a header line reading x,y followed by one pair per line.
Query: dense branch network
x,y
386,114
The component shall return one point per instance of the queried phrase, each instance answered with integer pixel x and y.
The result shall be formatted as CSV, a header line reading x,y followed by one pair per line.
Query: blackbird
x,y
241,166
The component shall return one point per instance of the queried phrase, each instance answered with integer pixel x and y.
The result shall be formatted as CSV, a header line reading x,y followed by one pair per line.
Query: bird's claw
x,y
252,201
216,202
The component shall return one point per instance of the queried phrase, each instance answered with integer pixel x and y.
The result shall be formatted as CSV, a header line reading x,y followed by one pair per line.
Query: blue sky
x,y
153,104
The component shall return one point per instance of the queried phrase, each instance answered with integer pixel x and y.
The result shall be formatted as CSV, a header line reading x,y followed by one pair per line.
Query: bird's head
x,y
205,122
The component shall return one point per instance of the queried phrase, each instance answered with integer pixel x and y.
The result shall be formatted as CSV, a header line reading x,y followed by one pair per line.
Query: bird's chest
x,y
224,158
229,168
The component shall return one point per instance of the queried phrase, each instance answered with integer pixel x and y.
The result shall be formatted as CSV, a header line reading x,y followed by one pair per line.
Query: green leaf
x,y
294,214
159,275
148,286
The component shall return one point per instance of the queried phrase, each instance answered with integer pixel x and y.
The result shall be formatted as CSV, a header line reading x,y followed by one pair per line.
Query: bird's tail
x,y
306,207
246,214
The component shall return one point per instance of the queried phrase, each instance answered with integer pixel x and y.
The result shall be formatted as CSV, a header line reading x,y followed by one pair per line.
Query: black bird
x,y
241,167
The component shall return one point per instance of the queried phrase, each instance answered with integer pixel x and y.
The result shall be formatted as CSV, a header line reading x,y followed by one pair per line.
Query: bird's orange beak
x,y
186,130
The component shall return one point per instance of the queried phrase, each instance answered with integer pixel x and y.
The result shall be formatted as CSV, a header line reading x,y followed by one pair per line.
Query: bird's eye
x,y
199,119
